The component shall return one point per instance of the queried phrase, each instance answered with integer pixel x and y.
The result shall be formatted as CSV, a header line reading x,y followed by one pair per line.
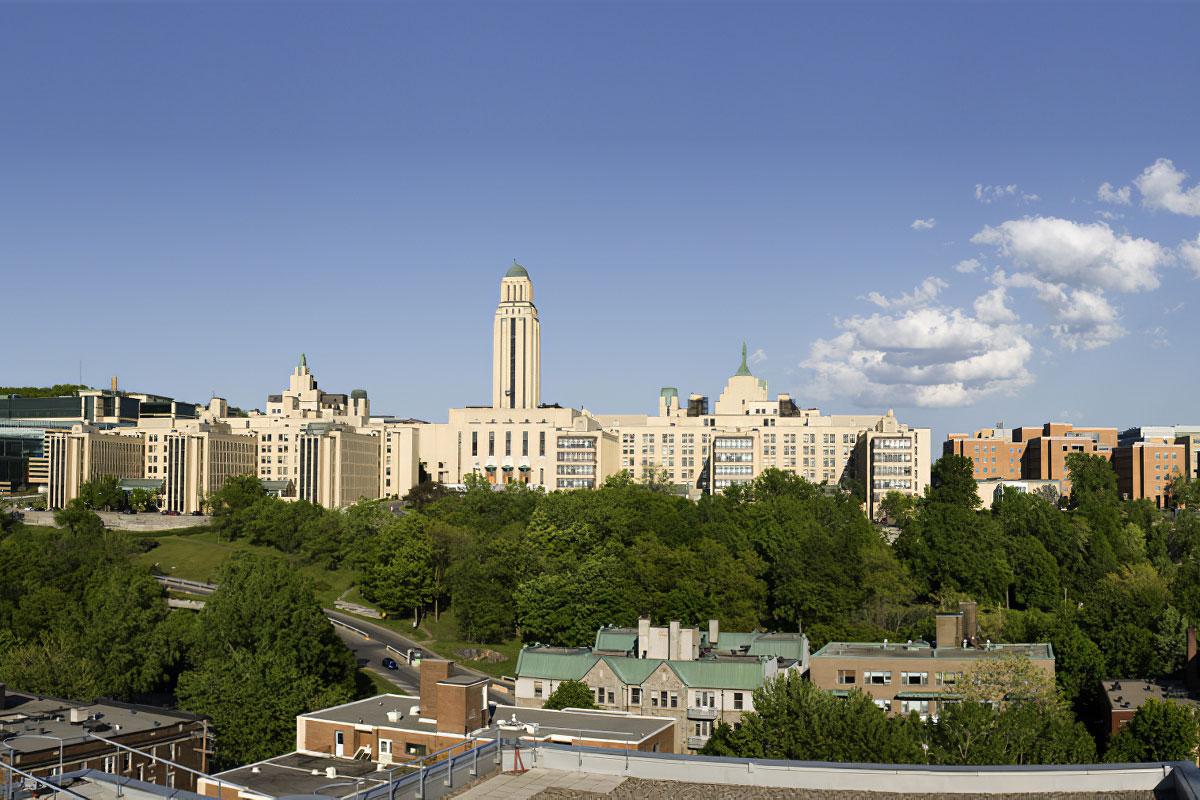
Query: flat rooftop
x,y
915,650
573,724
292,774
581,724
1132,693
23,713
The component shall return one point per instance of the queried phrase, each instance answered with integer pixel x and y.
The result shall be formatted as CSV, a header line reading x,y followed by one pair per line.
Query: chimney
x,y
643,645
462,707
432,671
948,626
1192,667
714,630
114,383
970,625
673,640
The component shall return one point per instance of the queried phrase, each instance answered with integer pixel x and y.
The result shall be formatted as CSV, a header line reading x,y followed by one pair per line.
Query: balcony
x,y
696,742
701,712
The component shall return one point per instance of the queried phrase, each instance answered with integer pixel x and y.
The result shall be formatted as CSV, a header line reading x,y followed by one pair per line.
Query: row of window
x,y
848,677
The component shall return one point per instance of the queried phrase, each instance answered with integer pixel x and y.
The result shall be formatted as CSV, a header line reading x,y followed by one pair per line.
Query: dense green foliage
x,y
57,390
792,719
80,619
1159,731
571,694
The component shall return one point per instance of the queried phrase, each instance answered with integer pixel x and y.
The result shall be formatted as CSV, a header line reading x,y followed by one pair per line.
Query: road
x,y
368,641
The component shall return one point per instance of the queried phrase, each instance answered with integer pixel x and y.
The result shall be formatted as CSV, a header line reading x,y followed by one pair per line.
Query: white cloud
x,y
1080,318
1161,186
967,265
758,356
988,194
1107,194
1086,255
1158,337
923,294
1189,254
923,224
931,357
992,307
1109,215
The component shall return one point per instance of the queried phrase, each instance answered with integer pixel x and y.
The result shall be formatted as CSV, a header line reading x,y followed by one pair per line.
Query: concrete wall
x,y
126,522
919,781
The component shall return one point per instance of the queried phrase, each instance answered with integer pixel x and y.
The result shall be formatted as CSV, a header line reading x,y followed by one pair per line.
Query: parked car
x,y
197,513
391,664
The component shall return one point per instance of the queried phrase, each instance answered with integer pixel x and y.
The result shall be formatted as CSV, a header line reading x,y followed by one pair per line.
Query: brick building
x,y
37,732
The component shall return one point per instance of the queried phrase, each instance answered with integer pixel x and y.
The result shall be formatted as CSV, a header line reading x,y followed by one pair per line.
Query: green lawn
x,y
198,556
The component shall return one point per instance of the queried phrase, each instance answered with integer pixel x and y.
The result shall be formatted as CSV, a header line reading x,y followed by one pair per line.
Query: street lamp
x,y
61,744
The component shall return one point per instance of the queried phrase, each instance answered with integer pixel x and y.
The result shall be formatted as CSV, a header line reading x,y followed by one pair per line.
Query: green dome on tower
x,y
516,271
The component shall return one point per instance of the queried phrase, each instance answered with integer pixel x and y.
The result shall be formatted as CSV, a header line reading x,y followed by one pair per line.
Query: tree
x,y
103,493
253,699
793,719
237,494
571,694
566,608
952,480
1005,679
400,575
143,500
1160,730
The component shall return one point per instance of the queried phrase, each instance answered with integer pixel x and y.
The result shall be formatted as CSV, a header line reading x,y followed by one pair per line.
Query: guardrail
x,y
349,627
182,583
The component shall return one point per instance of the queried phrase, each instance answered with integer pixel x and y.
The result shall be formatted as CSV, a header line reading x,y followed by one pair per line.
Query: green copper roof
x,y
620,639
743,369
633,671
303,360
534,663
704,674
516,271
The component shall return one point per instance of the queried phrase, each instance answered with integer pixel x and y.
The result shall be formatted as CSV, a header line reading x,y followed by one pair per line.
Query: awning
x,y
129,484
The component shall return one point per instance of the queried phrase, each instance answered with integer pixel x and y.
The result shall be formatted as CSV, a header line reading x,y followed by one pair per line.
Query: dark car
x,y
390,663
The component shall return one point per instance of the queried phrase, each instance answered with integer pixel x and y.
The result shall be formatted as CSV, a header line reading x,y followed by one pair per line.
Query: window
x,y
662,697
738,701
491,443
508,443
674,700
524,443
541,443
600,696
612,698
845,676
537,688
948,678
635,695
385,747
886,705
474,443
877,678
414,749
919,706
110,764
914,678
705,700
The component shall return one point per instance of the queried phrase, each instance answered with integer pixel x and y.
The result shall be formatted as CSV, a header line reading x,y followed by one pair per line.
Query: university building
x,y
328,448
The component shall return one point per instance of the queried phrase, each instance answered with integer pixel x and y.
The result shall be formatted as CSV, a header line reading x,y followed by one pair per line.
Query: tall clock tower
x,y
516,344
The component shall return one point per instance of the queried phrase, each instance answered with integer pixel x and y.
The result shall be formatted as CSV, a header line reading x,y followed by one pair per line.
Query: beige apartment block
x,y
918,677
193,459
85,453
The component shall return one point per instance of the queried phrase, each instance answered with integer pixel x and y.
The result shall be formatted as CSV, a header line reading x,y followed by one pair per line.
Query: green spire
x,y
304,361
743,369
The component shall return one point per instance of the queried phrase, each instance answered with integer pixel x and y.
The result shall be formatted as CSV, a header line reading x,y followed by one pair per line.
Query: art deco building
x,y
329,449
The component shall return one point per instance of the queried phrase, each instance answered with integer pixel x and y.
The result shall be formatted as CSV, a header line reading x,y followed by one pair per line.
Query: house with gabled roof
x,y
696,678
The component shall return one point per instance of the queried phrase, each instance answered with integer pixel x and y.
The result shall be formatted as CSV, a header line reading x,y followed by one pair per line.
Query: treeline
x,y
553,568
81,619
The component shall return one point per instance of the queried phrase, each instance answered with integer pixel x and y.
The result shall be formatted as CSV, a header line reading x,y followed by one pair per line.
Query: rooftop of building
x,y
516,271
919,649
619,641
713,672
96,785
27,715
1131,693
305,773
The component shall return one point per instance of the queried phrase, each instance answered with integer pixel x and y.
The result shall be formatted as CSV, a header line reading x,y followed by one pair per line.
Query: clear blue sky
x,y
191,195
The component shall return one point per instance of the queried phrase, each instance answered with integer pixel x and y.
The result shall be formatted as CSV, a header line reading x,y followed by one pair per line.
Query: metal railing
x,y
213,778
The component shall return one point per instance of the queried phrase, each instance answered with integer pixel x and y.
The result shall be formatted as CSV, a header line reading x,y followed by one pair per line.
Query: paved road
x,y
369,643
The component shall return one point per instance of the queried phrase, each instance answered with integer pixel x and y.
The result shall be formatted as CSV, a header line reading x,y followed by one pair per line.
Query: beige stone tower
x,y
516,344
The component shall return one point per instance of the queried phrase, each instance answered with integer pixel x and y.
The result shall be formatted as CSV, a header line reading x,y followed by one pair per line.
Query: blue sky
x,y
191,195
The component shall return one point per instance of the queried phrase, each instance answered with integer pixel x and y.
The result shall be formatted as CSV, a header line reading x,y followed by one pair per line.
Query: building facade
x,y
917,677
696,678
